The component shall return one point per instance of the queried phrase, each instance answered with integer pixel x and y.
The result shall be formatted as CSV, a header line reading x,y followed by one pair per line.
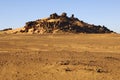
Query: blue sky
x,y
15,13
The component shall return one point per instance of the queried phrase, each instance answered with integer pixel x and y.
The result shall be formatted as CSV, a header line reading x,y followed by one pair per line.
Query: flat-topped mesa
x,y
62,23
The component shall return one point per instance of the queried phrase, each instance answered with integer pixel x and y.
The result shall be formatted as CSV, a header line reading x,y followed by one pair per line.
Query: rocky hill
x,y
61,23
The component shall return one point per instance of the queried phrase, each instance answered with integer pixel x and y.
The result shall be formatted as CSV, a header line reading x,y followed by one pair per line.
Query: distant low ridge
x,y
61,23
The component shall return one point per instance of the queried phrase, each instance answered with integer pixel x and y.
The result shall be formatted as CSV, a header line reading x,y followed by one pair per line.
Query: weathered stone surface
x,y
62,23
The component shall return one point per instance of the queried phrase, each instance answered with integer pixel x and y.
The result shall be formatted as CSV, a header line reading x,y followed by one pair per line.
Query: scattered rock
x,y
67,62
68,69
101,71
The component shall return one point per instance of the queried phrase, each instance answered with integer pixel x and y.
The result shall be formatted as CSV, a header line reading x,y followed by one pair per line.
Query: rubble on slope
x,y
62,23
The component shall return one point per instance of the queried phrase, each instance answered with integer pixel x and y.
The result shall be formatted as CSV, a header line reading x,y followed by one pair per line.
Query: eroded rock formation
x,y
62,23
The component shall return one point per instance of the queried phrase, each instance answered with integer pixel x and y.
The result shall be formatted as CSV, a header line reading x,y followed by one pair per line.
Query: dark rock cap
x,y
62,23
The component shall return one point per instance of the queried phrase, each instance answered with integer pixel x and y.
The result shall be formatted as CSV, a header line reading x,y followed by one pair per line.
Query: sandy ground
x,y
60,57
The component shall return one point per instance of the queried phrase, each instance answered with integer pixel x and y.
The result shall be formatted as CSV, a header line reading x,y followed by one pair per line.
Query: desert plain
x,y
60,57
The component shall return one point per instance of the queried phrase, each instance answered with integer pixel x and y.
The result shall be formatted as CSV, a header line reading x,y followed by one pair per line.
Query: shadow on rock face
x,y
62,23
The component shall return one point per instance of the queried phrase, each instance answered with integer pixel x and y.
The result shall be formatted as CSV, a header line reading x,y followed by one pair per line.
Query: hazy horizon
x,y
15,14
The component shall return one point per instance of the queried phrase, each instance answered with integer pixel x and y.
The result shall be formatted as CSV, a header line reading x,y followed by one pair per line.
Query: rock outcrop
x,y
62,23
7,29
